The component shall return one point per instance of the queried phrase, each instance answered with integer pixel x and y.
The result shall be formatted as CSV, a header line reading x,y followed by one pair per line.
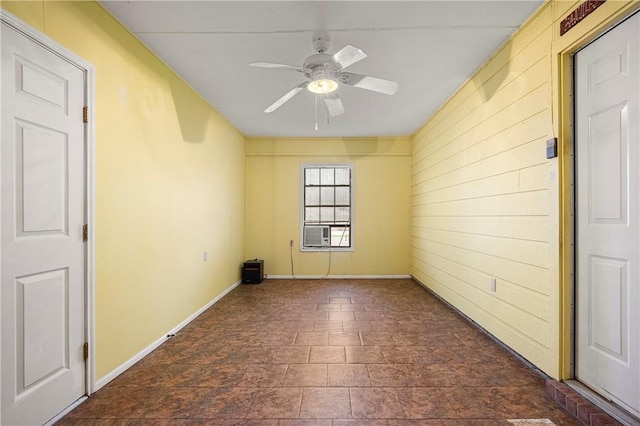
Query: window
x,y
327,200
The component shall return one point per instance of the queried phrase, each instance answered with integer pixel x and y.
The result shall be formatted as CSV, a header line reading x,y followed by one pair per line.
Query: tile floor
x,y
325,352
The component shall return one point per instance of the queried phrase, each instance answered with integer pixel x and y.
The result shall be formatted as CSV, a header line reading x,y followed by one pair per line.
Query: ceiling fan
x,y
325,73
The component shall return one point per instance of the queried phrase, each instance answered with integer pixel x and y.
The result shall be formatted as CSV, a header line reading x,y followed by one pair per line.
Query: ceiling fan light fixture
x,y
323,86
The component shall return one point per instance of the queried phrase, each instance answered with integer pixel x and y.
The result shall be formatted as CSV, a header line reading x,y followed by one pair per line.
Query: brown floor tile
x,y
276,338
342,316
364,354
355,307
392,375
403,354
225,403
277,403
172,403
68,421
342,300
312,338
304,307
291,355
221,375
327,326
409,375
375,403
325,403
327,355
315,316
306,422
160,375
263,376
232,354
356,326
304,375
348,375
424,403
377,338
328,307
344,338
369,315
298,326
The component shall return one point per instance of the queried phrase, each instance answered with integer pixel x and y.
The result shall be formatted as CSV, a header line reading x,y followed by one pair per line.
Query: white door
x,y
608,214
43,210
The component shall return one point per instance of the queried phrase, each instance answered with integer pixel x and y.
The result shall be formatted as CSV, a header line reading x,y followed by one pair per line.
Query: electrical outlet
x,y
205,256
492,282
290,243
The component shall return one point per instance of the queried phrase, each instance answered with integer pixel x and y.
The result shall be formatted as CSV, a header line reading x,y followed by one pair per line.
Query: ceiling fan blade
x,y
290,94
272,65
370,83
349,55
334,104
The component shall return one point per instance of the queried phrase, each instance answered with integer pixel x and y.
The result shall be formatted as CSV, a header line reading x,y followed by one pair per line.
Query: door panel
x,y
43,86
607,116
41,184
608,154
42,163
607,293
43,313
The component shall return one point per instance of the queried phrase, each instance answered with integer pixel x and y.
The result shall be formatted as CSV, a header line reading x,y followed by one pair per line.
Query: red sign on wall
x,y
579,14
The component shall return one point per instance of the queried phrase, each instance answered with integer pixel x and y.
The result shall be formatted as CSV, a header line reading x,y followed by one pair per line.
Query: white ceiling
x,y
429,47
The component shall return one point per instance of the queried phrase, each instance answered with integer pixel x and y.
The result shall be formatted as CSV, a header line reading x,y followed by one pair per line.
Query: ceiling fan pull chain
x,y
316,100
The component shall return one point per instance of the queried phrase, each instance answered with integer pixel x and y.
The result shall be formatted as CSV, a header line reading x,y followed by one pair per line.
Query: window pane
x,y
326,214
326,177
342,196
342,176
312,177
340,236
312,214
342,214
326,196
312,196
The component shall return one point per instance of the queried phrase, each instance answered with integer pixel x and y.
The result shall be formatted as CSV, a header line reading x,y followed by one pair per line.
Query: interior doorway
x,y
46,281
607,215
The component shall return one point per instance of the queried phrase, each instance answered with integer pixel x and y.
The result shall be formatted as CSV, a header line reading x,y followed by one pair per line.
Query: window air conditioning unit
x,y
316,236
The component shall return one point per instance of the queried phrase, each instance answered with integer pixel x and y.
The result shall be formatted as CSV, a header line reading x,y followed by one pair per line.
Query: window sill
x,y
326,249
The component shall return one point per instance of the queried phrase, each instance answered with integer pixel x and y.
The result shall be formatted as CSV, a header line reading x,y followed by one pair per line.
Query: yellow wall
x,y
381,206
485,202
169,184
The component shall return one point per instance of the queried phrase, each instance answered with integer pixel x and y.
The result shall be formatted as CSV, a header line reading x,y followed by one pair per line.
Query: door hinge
x,y
85,232
85,114
85,351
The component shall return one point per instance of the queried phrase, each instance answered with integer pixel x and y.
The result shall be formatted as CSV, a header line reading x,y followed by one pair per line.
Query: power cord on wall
x,y
344,231
291,257
329,268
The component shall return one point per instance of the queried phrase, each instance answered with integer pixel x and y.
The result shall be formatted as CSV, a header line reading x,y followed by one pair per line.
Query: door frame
x,y
564,72
89,164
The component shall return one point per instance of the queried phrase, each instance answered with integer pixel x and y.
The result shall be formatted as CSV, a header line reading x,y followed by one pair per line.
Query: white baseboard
x,y
333,277
146,351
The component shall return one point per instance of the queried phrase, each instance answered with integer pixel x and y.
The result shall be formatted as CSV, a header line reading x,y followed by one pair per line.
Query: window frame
x,y
303,167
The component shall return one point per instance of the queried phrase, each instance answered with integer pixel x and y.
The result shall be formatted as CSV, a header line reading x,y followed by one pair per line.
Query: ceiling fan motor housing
x,y
321,66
